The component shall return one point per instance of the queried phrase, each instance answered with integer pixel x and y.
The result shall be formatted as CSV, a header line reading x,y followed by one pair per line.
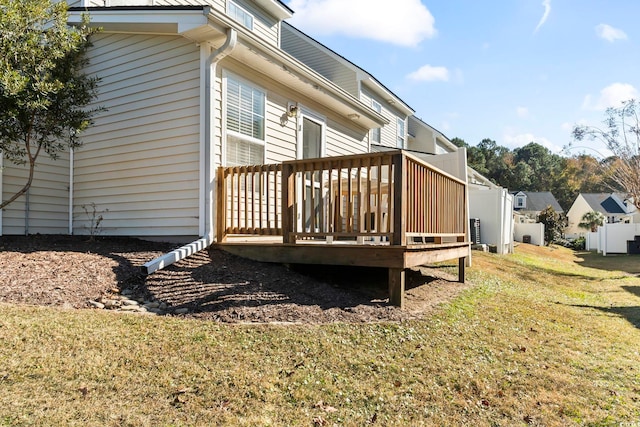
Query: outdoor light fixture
x,y
292,110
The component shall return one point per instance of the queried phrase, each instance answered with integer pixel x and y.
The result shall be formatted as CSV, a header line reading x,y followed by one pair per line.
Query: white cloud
x,y
611,96
609,33
522,112
547,10
428,73
406,23
514,140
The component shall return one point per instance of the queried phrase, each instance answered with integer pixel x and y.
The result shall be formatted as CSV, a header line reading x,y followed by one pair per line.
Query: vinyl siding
x,y
140,160
48,197
309,53
388,132
342,140
342,137
264,25
216,4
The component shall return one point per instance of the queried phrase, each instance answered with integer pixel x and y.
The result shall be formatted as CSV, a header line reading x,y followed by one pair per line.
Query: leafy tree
x,y
459,142
554,224
621,135
44,94
488,158
591,220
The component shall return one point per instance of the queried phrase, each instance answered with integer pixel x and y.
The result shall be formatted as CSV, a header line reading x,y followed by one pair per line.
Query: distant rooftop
x,y
539,201
604,203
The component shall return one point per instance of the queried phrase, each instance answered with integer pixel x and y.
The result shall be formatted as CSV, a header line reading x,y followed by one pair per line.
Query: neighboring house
x,y
195,91
527,205
614,206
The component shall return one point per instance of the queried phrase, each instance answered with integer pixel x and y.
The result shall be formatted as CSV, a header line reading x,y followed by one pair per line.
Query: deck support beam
x,y
396,286
461,266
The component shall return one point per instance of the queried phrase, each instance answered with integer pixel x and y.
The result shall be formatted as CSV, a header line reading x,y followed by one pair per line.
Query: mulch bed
x,y
69,271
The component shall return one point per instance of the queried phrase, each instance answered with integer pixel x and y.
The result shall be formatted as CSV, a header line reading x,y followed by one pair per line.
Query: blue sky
x,y
514,71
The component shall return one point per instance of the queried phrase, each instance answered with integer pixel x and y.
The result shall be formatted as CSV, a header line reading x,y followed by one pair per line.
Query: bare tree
x,y
621,135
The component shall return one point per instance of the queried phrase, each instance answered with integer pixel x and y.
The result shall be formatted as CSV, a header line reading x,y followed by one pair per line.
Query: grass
x,y
540,340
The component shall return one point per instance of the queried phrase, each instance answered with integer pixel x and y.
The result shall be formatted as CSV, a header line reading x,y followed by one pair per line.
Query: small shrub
x,y
95,219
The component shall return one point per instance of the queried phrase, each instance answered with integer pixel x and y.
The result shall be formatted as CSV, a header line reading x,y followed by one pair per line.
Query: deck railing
x,y
389,197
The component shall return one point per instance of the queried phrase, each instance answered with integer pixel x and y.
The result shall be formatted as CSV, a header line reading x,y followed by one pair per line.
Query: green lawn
x,y
540,340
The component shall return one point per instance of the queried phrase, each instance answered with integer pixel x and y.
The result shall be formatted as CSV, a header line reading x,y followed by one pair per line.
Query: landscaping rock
x,y
111,304
96,304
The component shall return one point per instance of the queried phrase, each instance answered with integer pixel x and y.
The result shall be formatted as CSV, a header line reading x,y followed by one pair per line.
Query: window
x,y
375,133
520,202
240,14
245,123
400,134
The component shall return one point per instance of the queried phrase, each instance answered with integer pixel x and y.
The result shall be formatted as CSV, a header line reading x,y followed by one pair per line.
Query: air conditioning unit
x,y
474,226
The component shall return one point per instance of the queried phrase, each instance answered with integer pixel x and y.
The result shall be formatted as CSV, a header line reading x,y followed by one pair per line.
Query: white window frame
x,y
401,133
319,119
241,14
521,202
226,75
376,131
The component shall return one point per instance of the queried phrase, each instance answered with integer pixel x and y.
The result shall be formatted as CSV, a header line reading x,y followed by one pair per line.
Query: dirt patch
x,y
69,271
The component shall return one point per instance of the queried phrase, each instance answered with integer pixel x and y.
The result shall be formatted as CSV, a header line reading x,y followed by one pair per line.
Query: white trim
x,y
204,54
242,9
185,19
404,133
314,117
226,74
377,107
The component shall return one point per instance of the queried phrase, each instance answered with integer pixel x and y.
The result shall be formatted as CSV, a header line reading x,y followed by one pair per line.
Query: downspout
x,y
212,65
208,235
26,213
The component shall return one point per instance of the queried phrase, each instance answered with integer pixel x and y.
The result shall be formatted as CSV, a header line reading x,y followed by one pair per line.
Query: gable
x,y
536,201
603,203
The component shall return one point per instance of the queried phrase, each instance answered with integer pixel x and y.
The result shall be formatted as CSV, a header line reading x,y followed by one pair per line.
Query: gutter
x,y
206,153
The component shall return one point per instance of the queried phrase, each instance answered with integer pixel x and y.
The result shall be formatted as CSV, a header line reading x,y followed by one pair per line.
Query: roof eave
x,y
202,24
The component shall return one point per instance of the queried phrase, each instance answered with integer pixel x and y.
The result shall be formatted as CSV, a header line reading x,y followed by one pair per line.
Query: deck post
x,y
396,286
399,200
288,187
461,266
221,207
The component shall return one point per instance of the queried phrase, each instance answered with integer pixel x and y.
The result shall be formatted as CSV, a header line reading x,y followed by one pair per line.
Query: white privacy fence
x,y
612,238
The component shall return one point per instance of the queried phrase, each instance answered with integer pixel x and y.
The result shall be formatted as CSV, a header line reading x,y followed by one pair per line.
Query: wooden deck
x,y
375,210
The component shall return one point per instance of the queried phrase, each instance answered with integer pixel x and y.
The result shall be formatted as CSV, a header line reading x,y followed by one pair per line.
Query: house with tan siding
x,y
175,78
190,86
